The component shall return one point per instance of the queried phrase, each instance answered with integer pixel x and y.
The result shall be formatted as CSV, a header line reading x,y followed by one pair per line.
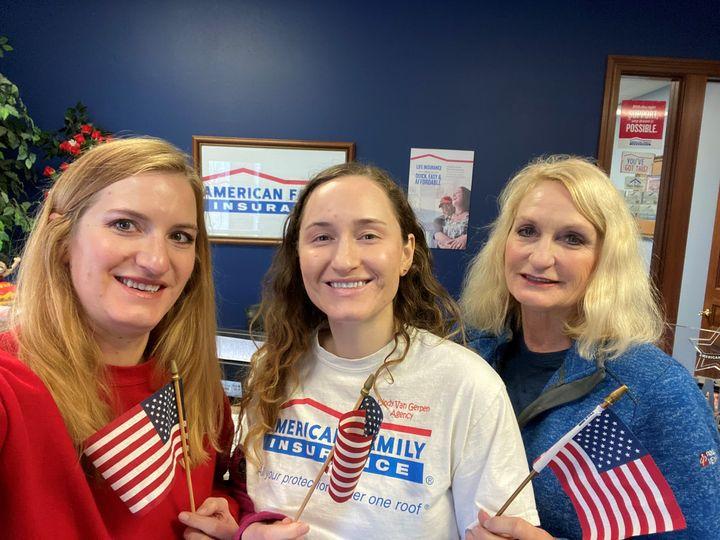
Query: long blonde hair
x,y
619,307
290,319
51,327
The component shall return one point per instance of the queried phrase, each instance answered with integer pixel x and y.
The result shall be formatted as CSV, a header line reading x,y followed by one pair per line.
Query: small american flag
x,y
356,432
614,484
137,452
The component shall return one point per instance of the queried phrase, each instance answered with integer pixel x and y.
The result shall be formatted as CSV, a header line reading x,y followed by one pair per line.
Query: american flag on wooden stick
x,y
137,453
356,432
614,484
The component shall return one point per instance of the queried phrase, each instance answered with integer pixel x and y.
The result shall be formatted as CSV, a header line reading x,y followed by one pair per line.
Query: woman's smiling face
x,y
550,252
132,252
352,252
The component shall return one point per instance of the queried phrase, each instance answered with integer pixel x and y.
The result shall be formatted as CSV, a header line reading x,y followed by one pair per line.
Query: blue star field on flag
x,y
373,416
161,408
608,442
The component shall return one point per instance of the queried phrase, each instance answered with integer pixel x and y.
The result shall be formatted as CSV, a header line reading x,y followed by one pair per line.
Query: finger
x,y
478,532
194,534
213,505
301,529
288,531
206,524
514,527
481,534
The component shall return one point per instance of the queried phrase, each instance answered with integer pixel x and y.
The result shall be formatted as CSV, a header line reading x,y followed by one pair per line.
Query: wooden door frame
x,y
678,171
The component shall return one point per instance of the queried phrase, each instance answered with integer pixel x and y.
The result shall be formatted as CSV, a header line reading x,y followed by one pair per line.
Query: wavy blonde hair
x,y
619,307
51,327
290,319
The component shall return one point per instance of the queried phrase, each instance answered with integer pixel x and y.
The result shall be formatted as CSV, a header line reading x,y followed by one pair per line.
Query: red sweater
x,y
43,489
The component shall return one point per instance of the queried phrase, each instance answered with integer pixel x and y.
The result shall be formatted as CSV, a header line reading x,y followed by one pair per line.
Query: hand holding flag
x,y
614,484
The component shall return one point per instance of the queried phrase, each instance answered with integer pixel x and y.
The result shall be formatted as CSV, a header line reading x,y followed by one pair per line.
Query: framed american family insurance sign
x,y
251,185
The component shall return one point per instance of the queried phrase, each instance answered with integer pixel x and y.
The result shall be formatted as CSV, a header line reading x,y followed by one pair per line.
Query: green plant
x,y
18,138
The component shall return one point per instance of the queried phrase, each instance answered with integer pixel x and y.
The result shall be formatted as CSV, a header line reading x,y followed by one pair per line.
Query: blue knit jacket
x,y
663,408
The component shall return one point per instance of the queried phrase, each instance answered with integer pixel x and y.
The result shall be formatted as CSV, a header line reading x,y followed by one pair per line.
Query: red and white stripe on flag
x,y
137,453
352,448
627,500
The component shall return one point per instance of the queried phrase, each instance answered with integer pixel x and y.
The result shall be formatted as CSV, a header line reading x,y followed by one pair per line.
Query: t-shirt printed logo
x,y
708,457
397,451
403,409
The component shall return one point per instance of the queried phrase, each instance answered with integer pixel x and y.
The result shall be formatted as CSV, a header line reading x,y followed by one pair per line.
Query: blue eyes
x,y
574,239
526,232
127,226
571,238
124,225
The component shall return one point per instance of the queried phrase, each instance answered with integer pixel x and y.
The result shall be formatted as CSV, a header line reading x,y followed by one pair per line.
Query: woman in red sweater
x,y
115,284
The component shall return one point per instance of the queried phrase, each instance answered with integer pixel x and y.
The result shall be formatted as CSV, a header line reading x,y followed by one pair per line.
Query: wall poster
x,y
642,123
439,187
638,157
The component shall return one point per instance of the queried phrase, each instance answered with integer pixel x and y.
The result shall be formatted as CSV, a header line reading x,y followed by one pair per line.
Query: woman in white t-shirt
x,y
350,293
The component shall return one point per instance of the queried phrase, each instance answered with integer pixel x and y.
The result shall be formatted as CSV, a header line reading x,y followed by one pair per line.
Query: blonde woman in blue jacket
x,y
564,310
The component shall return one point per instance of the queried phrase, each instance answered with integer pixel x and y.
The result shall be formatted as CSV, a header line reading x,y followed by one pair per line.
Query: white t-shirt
x,y
448,446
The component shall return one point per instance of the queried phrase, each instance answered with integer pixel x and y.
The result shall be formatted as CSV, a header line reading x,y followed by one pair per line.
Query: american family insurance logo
x,y
397,451
274,196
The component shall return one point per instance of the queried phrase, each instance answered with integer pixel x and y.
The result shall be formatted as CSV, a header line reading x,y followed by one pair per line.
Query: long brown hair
x,y
290,319
51,327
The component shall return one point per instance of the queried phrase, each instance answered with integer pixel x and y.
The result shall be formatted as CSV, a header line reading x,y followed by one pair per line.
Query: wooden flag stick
x,y
183,432
545,458
524,483
364,392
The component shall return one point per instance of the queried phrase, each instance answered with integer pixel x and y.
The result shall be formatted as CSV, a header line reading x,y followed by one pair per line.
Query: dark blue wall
x,y
509,82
